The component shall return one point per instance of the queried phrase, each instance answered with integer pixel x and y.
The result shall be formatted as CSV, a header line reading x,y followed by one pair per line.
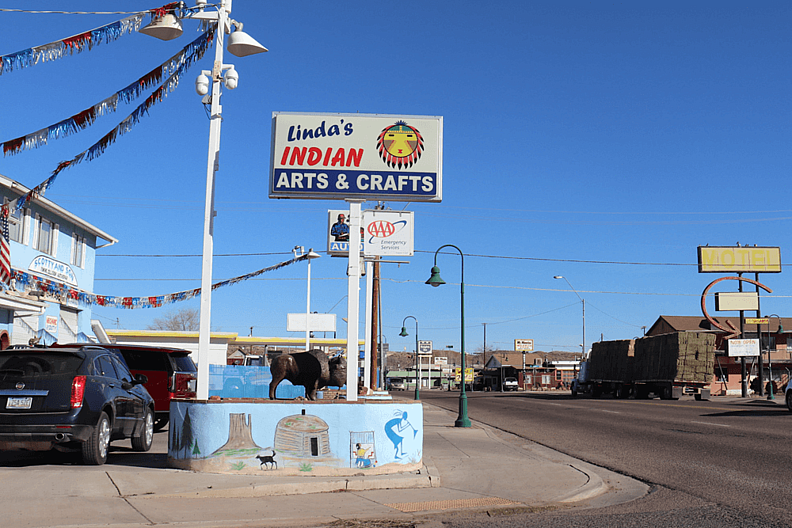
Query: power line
x,y
575,261
472,255
196,255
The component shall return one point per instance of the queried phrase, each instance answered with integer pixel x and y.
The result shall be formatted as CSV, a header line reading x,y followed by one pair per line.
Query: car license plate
x,y
24,402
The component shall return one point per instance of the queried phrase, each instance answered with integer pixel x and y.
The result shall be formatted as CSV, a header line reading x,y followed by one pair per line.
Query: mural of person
x,y
361,460
340,230
394,428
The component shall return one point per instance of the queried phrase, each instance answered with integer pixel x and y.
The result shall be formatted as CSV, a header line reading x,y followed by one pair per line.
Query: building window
x,y
78,251
46,236
558,375
16,224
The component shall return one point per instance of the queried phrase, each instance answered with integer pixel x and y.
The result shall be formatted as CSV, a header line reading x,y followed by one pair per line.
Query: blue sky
x,y
601,141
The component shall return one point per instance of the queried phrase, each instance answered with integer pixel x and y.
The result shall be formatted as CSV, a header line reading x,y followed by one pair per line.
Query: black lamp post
x,y
771,395
435,280
417,372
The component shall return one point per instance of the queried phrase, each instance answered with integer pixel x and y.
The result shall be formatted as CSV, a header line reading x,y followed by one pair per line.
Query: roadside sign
x,y
396,158
425,348
743,347
388,233
736,301
338,233
296,322
755,321
468,375
750,259
525,345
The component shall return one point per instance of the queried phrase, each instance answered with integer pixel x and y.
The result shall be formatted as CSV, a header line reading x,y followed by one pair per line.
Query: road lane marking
x,y
714,424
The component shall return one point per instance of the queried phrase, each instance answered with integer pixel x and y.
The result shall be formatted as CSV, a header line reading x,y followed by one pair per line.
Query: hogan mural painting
x,y
296,438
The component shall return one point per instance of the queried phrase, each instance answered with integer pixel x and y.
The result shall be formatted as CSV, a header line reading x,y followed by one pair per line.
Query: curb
x,y
426,477
595,486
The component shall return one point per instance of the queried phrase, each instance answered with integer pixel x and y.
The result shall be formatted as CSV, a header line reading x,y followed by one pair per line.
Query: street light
x,y
310,256
246,47
435,280
417,365
582,300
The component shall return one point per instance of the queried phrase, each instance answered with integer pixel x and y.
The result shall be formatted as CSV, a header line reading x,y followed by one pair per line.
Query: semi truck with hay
x,y
667,365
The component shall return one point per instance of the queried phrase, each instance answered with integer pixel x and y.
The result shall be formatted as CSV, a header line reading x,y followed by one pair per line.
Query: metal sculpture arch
x,y
731,331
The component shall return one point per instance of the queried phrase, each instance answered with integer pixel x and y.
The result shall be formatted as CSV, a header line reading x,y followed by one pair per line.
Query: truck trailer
x,y
667,365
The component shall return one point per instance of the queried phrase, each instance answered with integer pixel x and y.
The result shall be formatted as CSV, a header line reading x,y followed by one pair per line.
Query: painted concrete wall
x,y
238,381
296,438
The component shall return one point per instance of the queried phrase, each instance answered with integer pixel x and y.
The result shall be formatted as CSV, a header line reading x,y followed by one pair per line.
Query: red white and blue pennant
x,y
78,43
176,66
31,282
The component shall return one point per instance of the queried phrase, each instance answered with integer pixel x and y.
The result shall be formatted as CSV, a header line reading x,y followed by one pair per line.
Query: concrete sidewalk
x,y
471,468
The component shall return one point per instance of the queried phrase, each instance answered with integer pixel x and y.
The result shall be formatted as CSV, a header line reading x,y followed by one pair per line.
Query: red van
x,y
171,373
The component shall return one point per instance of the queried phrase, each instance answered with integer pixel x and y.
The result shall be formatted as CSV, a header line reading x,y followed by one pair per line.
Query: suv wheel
x,y
94,451
143,441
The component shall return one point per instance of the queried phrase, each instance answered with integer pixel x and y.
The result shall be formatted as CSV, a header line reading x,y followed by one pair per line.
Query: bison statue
x,y
313,370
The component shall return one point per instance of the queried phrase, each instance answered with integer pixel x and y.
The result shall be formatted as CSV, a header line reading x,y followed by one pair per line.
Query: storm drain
x,y
409,507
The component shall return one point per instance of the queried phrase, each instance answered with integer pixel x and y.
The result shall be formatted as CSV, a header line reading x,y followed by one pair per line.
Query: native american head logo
x,y
400,145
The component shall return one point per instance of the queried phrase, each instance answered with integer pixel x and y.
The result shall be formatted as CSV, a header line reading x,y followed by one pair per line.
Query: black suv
x,y
171,373
72,398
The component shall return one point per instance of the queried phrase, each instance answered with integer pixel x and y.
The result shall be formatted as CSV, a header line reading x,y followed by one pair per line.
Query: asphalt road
x,y
120,454
724,462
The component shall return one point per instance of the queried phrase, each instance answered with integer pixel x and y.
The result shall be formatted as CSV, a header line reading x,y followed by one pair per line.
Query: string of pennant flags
x,y
176,66
179,64
80,42
32,282
85,118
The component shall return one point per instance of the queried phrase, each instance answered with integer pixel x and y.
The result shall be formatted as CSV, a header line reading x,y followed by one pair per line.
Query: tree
x,y
184,319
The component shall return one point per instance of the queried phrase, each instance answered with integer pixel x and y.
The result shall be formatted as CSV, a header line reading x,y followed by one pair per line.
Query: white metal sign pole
x,y
204,327
353,306
369,347
308,310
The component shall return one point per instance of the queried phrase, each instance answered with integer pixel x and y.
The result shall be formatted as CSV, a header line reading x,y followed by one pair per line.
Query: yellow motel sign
x,y
743,259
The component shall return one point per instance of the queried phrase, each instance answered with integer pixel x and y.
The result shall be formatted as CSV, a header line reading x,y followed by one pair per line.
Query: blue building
x,y
53,256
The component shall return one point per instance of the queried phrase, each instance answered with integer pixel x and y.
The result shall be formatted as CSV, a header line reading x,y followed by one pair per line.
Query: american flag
x,y
5,248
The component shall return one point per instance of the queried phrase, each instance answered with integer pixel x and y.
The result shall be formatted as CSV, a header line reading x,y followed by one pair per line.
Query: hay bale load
x,y
666,365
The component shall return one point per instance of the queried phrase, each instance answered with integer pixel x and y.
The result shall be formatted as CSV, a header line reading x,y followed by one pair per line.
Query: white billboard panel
x,y
295,322
736,301
525,345
743,347
368,156
388,233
